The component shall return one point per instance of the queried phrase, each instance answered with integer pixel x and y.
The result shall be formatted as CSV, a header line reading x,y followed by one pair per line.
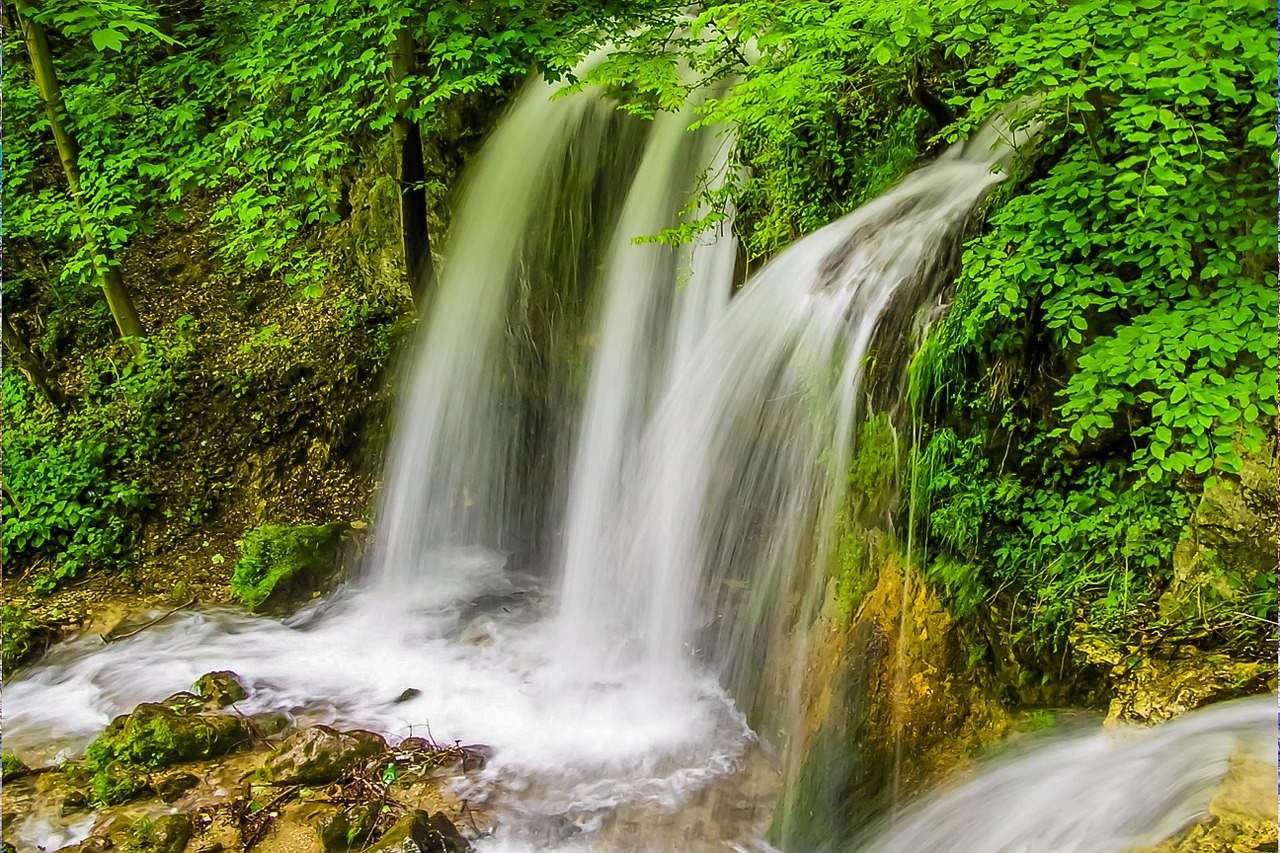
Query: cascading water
x,y
674,491
1097,791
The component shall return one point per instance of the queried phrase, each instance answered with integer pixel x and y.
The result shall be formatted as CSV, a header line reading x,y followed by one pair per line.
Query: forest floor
x,y
276,417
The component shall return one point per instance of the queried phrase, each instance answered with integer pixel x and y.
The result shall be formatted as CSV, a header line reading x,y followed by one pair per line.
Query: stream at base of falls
x,y
595,544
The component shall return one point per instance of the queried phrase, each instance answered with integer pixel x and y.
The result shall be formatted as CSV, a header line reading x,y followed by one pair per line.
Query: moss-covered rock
x,y
155,736
420,832
280,564
118,782
319,755
220,689
346,829
24,636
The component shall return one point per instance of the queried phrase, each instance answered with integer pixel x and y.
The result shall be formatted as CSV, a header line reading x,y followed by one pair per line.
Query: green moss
x,y
875,459
277,557
21,636
167,834
154,736
116,783
1036,721
850,565
11,767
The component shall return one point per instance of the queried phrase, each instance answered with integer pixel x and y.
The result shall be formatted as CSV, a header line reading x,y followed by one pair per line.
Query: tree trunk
x,y
32,367
414,238
121,305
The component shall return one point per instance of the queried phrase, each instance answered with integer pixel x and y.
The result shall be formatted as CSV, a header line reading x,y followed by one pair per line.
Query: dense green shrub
x,y
71,479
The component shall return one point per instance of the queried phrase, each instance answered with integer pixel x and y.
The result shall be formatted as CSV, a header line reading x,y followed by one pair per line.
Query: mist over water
x,y
608,479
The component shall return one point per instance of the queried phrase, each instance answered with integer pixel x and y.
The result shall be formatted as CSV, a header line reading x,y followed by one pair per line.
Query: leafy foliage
x,y
73,480
1110,351
1135,263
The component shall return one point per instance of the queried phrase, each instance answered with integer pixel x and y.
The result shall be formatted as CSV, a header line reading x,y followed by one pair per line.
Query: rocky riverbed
x,y
193,773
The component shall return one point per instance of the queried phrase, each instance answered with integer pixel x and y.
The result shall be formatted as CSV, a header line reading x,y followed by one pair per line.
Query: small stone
x,y
220,689
346,829
173,786
183,702
319,755
270,723
409,693
171,833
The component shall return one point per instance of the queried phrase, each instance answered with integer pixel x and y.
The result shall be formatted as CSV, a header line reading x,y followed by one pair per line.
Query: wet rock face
x,y
1224,559
319,755
1229,540
420,832
1241,814
220,689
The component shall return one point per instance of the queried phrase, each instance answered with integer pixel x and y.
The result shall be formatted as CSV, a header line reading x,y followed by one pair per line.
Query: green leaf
x,y
107,39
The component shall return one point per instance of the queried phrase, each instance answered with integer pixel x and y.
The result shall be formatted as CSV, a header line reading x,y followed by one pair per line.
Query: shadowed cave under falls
x,y
601,540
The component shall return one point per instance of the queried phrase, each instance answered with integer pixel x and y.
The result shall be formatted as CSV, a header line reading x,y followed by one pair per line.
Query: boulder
x,y
420,832
220,689
155,736
282,565
319,755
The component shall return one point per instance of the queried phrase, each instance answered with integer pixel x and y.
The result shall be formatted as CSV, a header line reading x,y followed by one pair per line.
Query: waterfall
x,y
1092,792
597,546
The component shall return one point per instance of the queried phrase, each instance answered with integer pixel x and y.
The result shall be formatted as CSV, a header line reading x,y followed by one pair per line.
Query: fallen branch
x,y
253,826
108,638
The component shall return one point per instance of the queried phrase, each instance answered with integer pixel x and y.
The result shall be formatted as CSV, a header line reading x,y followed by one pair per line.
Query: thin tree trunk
x,y
414,238
118,300
31,366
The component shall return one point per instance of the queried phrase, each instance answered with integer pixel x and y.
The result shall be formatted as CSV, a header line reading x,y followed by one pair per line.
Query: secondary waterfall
x,y
1094,792
609,480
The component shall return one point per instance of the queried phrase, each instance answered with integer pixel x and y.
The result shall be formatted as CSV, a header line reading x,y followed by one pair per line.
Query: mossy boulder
x,y
420,832
220,689
319,755
280,564
155,736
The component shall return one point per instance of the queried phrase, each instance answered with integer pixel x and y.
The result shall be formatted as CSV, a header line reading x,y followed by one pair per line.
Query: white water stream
x,y
584,628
